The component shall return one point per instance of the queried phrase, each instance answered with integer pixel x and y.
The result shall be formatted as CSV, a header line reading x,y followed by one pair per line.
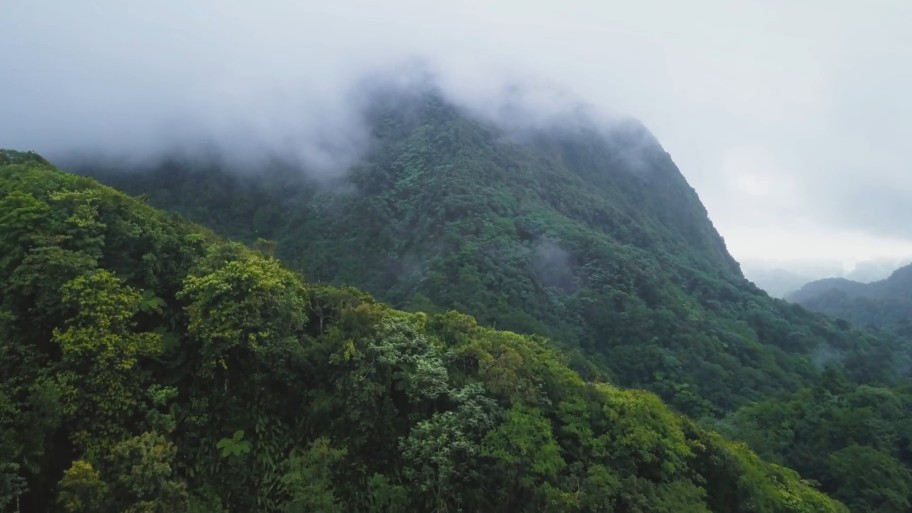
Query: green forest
x,y
557,327
586,235
884,305
150,366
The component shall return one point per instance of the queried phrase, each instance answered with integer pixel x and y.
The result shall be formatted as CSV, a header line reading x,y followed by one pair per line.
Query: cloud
x,y
817,92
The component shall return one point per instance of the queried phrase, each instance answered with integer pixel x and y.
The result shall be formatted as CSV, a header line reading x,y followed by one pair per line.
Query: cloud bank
x,y
789,120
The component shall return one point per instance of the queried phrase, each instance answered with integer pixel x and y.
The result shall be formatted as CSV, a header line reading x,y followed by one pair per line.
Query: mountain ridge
x,y
590,237
885,304
559,232
149,365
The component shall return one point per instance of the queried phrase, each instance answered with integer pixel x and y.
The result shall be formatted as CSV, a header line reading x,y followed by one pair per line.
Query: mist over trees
x,y
162,368
411,256
588,236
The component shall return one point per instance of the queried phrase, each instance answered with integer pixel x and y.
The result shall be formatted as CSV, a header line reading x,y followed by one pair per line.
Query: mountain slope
x,y
884,304
584,233
147,365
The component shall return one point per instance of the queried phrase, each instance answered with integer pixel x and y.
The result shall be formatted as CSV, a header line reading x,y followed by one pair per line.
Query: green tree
x,y
309,478
143,477
525,453
81,489
246,305
869,480
99,349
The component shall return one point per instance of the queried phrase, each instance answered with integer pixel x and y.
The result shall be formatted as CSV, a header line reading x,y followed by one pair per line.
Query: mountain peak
x,y
581,231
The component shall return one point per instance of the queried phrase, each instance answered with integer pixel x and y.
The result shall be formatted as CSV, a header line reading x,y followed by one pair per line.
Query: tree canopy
x,y
148,365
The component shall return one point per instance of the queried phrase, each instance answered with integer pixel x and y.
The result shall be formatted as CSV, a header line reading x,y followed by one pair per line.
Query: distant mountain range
x,y
884,304
782,278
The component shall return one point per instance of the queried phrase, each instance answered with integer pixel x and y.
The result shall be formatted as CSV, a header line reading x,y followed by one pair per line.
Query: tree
x,y
142,475
81,489
309,477
524,452
99,348
869,480
246,305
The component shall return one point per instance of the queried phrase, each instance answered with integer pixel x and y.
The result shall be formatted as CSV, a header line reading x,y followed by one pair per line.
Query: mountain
x,y
581,231
884,304
867,271
149,365
584,232
783,278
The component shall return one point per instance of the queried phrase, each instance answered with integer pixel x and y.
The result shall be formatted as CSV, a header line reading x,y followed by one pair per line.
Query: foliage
x,y
81,488
584,232
882,305
587,234
234,446
854,440
233,386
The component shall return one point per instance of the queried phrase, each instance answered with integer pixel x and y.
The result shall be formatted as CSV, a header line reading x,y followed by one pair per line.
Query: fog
x,y
789,120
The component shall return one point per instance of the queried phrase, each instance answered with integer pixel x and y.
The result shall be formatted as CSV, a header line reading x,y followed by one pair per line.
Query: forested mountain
x,y
884,304
585,233
854,440
580,231
147,365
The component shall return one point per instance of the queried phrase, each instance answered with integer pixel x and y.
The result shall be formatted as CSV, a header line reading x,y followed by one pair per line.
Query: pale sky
x,y
790,119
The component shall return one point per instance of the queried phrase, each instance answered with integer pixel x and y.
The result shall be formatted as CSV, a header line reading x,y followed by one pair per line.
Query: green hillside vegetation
x,y
884,305
588,236
856,441
583,233
148,366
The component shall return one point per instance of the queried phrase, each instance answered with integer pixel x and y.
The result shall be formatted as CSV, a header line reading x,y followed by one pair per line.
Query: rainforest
x,y
471,318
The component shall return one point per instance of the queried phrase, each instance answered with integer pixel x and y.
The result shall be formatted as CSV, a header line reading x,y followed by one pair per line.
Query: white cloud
x,y
817,91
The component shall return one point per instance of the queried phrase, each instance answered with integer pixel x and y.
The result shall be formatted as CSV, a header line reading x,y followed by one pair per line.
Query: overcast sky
x,y
790,119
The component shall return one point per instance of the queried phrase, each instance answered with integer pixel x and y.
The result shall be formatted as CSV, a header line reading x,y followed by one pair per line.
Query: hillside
x,y
583,232
149,366
884,304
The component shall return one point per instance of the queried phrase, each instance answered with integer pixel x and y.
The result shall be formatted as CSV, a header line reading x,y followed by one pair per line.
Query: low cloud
x,y
554,266
819,92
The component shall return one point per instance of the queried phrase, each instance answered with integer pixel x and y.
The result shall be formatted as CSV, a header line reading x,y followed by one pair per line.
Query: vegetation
x,y
884,305
855,440
146,365
584,234
588,235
